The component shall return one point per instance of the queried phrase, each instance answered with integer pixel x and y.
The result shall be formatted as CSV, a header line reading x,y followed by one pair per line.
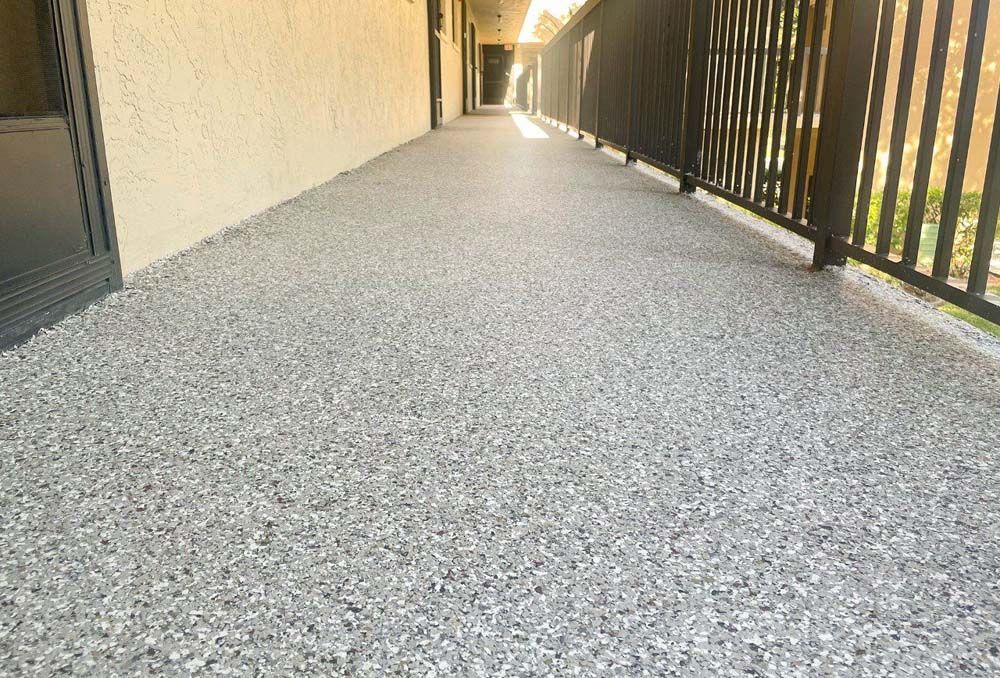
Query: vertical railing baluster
x,y
754,121
928,132
749,83
739,86
712,64
876,105
809,112
719,68
784,94
599,42
581,80
725,118
767,105
794,100
633,90
900,119
694,98
989,213
961,138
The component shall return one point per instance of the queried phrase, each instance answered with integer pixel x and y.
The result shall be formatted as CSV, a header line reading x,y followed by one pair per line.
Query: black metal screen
x,y
29,58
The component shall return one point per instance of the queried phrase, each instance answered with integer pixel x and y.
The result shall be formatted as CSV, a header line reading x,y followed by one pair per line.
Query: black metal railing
x,y
780,106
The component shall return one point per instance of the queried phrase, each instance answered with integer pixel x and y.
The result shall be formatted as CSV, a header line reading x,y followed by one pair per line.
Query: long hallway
x,y
495,404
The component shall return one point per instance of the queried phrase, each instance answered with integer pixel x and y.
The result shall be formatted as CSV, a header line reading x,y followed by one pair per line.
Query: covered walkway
x,y
495,404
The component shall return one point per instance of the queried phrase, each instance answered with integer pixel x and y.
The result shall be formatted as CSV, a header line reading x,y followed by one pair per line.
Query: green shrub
x,y
965,231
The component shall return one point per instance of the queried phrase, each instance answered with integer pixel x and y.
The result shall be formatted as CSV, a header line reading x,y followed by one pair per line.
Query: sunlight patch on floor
x,y
527,128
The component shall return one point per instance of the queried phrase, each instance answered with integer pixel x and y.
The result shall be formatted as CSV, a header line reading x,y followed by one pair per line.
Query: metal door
x,y
434,19
466,53
474,51
496,71
56,240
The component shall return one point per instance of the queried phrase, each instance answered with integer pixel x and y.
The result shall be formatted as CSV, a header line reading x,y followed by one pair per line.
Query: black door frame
x,y
465,58
476,61
44,296
506,59
434,53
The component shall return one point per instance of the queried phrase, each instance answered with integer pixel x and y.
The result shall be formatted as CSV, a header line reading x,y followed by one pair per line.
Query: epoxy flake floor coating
x,y
492,405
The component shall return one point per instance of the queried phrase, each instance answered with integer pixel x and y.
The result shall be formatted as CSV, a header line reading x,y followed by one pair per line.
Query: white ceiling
x,y
511,17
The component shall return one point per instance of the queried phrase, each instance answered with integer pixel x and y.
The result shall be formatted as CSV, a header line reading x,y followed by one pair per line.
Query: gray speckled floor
x,y
490,405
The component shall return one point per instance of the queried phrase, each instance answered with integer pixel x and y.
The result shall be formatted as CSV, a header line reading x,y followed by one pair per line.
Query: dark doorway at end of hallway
x,y
497,62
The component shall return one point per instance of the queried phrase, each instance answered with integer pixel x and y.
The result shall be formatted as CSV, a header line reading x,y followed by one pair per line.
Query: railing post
x,y
842,124
699,16
632,89
599,42
581,38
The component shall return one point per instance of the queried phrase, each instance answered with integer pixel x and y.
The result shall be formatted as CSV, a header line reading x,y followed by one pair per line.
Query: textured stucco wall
x,y
214,110
472,67
451,79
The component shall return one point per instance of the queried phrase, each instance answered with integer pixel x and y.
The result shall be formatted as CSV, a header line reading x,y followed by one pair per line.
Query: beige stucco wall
x,y
453,69
451,79
215,111
473,67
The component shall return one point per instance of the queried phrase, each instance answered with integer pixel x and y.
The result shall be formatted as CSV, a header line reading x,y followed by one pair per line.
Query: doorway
x,y
497,62
58,251
434,46
466,53
474,58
